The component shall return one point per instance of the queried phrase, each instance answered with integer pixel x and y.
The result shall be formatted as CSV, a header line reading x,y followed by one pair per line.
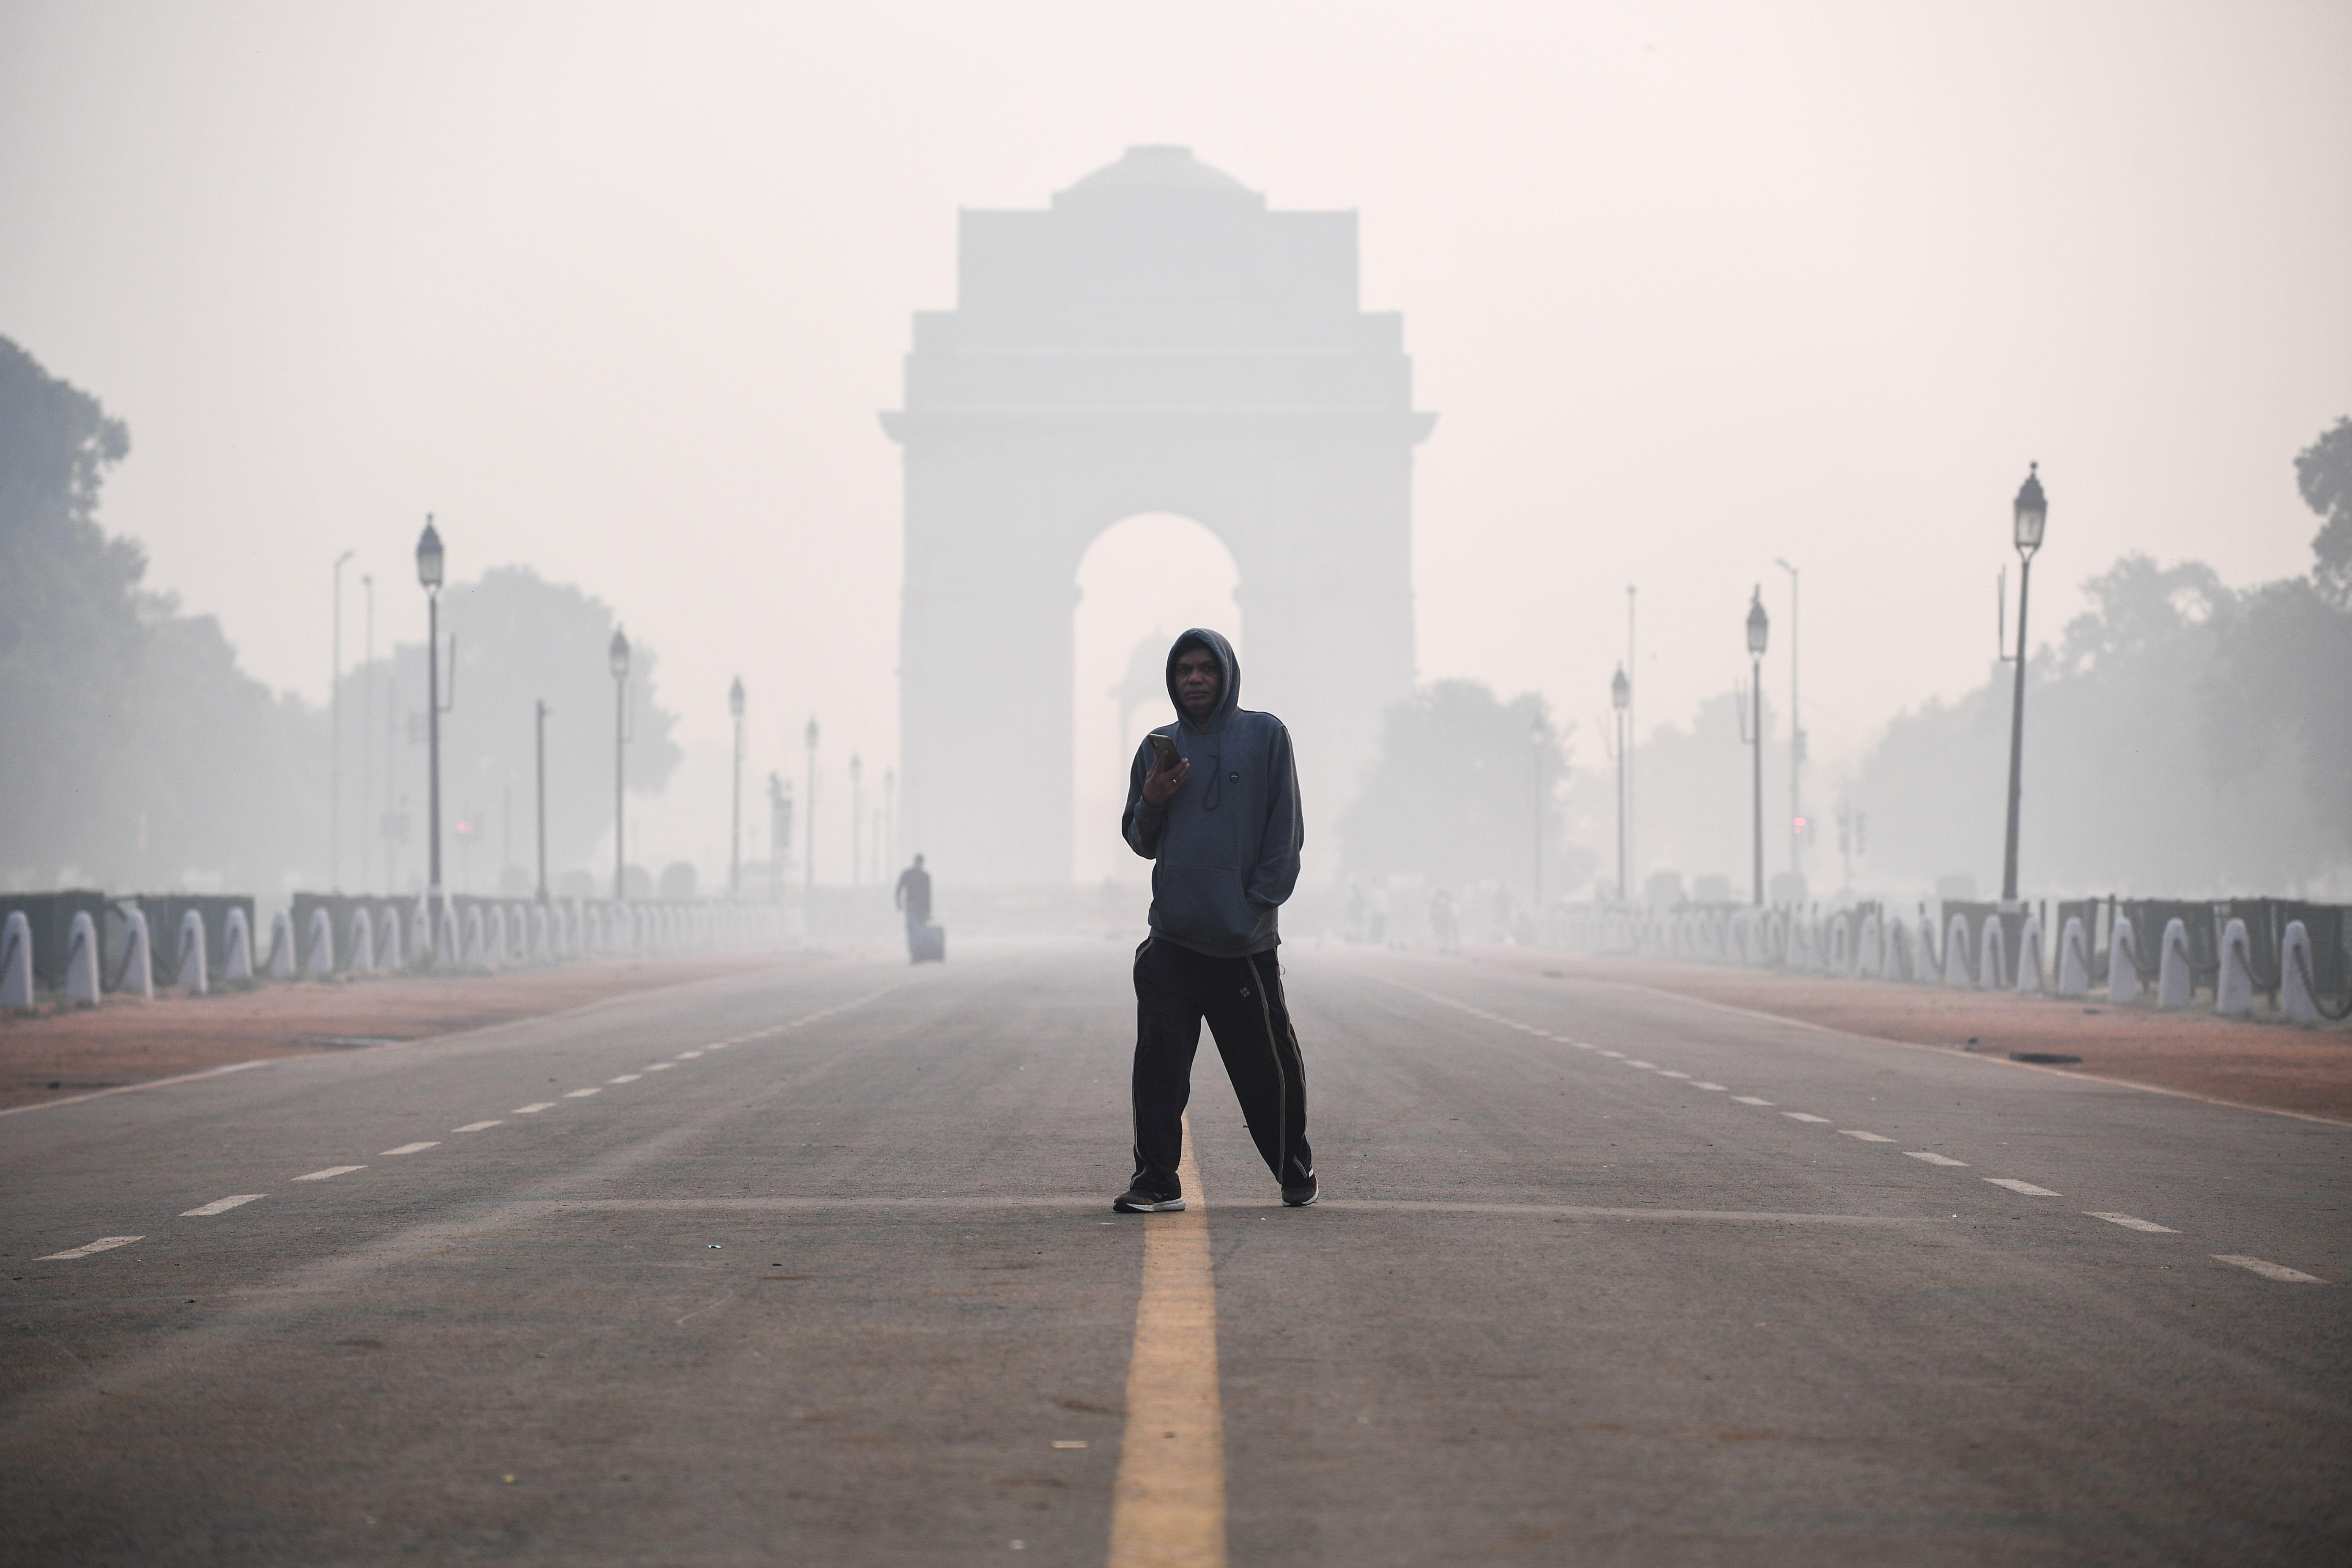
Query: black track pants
x,y
1175,988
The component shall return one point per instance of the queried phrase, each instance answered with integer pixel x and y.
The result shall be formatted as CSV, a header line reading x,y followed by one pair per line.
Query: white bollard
x,y
1992,970
319,961
2294,969
446,950
17,964
2233,994
1955,954
281,946
361,949
387,940
2123,962
2073,960
236,963
2174,983
81,961
420,933
192,976
2029,957
138,955
476,953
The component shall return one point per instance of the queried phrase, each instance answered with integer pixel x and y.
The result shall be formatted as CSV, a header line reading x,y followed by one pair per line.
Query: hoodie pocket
x,y
1203,902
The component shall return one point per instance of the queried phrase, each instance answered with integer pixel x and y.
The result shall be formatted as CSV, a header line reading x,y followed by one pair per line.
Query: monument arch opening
x,y
1143,580
1156,341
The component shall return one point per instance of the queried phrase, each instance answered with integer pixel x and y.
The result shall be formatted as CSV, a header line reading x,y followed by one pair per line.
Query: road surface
x,y
815,1265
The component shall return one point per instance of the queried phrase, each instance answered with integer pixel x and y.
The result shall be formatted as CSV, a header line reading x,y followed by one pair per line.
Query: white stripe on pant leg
x,y
1167,1502
1281,1079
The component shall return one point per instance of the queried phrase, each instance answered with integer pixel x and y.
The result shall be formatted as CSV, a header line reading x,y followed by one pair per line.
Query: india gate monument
x,y
1156,340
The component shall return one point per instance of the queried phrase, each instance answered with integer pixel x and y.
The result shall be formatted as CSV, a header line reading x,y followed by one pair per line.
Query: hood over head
x,y
1230,697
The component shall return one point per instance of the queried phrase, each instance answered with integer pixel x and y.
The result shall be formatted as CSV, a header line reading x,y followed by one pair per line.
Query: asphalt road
x,y
815,1266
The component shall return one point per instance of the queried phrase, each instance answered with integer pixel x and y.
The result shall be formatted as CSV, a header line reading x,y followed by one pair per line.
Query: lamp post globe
x,y
2030,512
735,698
1620,690
1759,624
428,557
619,654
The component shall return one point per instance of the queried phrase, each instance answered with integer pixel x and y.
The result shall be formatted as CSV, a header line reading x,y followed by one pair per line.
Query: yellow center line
x,y
1168,1505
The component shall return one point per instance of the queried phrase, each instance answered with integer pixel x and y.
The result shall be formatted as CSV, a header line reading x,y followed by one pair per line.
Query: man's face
x,y
1199,681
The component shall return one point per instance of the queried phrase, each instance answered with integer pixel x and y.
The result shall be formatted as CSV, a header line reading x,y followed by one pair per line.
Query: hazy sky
x,y
618,291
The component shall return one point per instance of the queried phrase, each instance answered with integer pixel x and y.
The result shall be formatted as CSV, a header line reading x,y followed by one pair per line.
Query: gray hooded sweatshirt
x,y
1226,842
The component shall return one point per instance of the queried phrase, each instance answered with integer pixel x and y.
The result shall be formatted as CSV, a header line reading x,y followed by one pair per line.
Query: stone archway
x,y
1156,341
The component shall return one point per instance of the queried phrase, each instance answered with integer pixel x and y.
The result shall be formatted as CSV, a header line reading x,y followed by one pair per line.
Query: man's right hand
x,y
1160,784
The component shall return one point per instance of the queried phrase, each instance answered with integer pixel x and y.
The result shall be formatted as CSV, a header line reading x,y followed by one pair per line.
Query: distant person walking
x,y
1226,846
914,896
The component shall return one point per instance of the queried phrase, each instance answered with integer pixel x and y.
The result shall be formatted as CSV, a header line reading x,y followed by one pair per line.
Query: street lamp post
x,y
808,850
428,573
540,712
1796,739
2030,513
735,849
1759,631
335,742
618,653
367,730
1621,697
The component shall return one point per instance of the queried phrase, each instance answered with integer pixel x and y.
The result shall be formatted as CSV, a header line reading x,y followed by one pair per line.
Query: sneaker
x,y
1140,1199
1302,1196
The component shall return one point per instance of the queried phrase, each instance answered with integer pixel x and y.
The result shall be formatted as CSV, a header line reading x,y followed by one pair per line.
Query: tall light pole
x,y
2030,513
1632,730
735,844
539,708
618,654
428,573
808,850
367,732
1621,697
1759,631
1796,739
335,742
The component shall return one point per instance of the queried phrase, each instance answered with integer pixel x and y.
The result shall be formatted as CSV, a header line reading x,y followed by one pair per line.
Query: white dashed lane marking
x,y
109,1243
2028,1188
659,1067
1619,1055
221,1205
478,1126
1715,1087
1934,1159
1645,1067
533,1109
626,1077
583,1093
1669,1072
2266,1269
1865,1137
412,1148
1751,1100
1803,1116
688,1056
329,1171
2129,1223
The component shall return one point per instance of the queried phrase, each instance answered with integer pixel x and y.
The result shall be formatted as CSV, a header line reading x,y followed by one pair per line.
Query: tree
x,y
1452,794
2322,472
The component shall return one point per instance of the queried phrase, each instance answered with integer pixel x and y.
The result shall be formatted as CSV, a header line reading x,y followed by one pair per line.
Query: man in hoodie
x,y
1220,817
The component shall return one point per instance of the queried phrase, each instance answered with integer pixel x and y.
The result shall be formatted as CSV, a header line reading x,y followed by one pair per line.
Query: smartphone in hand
x,y
1163,751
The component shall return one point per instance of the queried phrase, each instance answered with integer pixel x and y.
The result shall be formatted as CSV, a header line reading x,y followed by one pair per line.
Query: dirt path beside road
x,y
2282,1067
76,1051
